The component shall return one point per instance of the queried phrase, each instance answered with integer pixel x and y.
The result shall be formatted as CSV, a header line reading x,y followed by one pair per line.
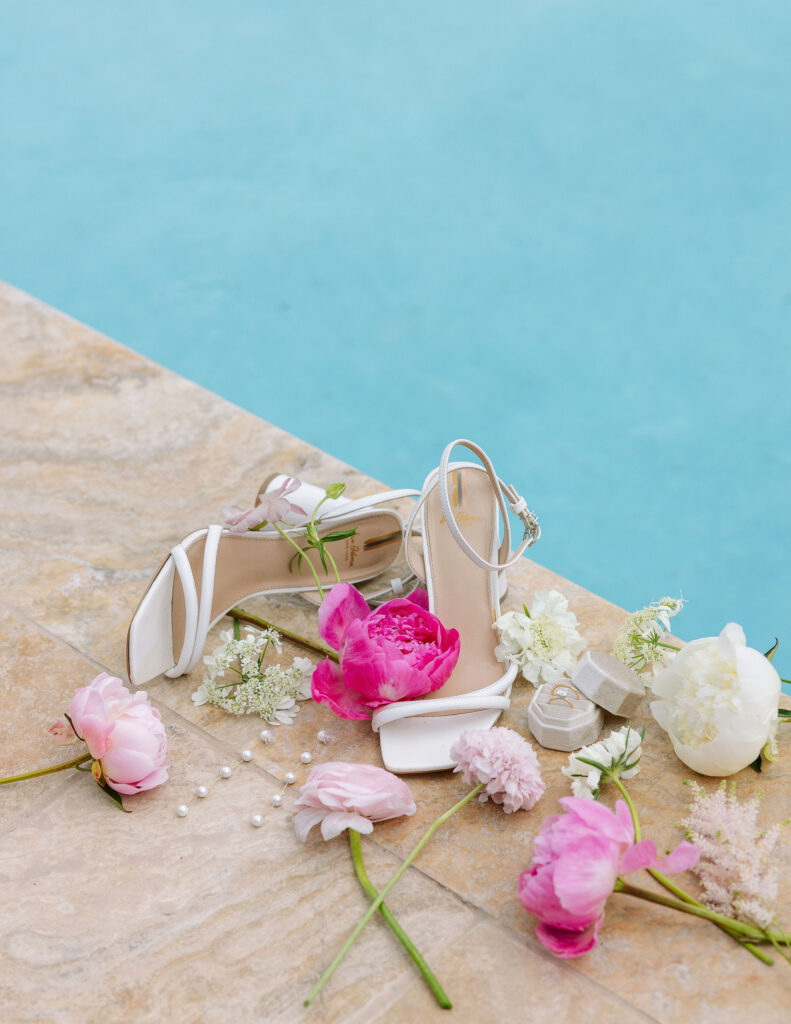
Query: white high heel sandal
x,y
463,560
214,569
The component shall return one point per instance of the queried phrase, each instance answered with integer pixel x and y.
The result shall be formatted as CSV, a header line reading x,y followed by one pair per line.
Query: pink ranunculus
x,y
271,508
577,857
396,652
122,732
340,795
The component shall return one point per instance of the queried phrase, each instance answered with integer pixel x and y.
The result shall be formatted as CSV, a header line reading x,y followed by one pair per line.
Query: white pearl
x,y
247,755
321,736
266,736
277,800
306,757
257,820
202,791
290,778
225,772
182,810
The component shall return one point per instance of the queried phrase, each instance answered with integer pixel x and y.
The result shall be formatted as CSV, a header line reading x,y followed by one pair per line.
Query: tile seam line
x,y
531,944
215,741
210,739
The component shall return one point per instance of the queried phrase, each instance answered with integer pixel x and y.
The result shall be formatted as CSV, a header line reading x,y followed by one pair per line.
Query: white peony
x,y
544,643
718,703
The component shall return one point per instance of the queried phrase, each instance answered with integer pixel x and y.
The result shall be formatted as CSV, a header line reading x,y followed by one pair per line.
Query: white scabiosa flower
x,y
616,756
544,642
718,702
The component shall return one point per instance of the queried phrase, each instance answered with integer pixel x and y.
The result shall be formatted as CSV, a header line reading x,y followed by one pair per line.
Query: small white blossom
x,y
644,639
238,681
544,642
618,755
737,867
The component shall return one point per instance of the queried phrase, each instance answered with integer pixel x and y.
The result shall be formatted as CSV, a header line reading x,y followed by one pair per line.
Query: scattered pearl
x,y
202,791
182,810
323,736
266,736
225,772
257,820
247,755
277,800
290,778
306,757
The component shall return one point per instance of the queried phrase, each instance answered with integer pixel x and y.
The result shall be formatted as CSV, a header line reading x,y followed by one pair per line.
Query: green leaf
x,y
783,713
756,765
772,650
335,490
524,609
340,535
593,764
114,796
323,559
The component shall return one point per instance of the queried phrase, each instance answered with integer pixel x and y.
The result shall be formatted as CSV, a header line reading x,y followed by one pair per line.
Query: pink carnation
x,y
504,762
338,795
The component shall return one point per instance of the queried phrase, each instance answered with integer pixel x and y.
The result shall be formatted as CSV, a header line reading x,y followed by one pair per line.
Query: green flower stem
x,y
382,895
294,544
333,564
676,889
395,927
240,615
47,771
749,931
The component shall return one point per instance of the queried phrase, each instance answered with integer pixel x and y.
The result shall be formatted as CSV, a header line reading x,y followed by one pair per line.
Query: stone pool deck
x,y
107,461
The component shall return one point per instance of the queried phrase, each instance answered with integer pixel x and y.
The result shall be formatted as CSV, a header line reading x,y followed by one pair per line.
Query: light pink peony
x,y
505,762
340,795
272,507
396,652
122,732
577,857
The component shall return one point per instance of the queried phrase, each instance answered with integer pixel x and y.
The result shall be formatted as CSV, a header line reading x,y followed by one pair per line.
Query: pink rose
x,y
577,856
122,732
396,652
340,795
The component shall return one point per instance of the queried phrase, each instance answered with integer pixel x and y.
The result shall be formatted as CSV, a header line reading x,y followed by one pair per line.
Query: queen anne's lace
x,y
238,681
736,867
643,639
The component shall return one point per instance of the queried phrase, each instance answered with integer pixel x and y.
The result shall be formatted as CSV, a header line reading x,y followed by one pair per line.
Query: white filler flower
x,y
616,756
718,702
544,642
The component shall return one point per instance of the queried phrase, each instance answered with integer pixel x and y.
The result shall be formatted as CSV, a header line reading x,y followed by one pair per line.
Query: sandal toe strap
x,y
442,705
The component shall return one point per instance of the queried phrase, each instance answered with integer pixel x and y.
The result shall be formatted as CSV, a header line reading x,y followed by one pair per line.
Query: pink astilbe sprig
x,y
504,762
736,868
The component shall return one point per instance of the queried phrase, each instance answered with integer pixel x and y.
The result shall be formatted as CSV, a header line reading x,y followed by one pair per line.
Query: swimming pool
x,y
557,228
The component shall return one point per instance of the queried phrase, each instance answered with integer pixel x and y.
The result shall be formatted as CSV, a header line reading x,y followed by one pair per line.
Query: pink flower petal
x,y
641,855
341,606
599,817
567,944
419,597
329,687
585,875
685,856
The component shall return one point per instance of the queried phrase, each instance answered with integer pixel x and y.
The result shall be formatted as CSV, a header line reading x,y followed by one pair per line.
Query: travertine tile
x,y
108,460
491,976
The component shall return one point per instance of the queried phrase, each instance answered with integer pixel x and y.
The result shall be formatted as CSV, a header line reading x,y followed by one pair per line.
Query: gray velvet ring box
x,y
561,718
608,683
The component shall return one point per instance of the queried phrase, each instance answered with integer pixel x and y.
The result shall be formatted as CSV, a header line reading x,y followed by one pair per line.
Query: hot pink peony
x,y
339,795
122,732
396,652
577,857
504,762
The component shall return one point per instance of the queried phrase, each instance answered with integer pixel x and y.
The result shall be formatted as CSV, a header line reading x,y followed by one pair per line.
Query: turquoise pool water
x,y
560,228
